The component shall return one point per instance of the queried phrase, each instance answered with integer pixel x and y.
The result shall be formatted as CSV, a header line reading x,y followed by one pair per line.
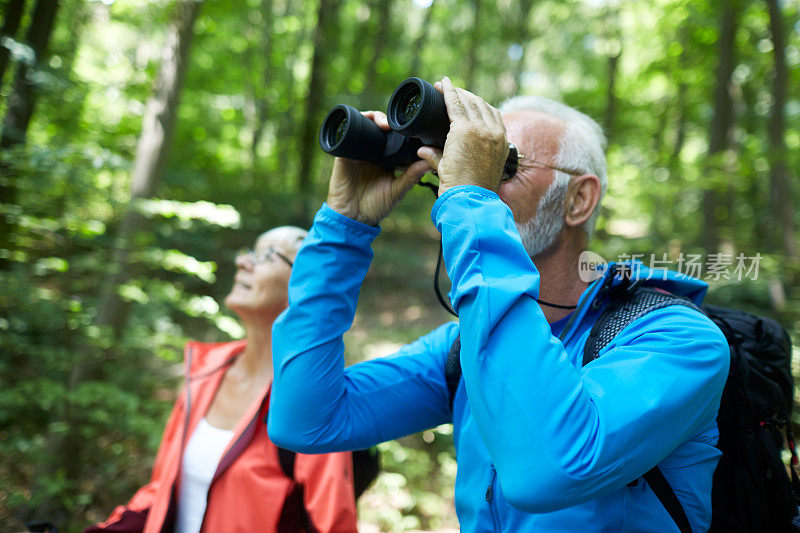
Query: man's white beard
x,y
541,233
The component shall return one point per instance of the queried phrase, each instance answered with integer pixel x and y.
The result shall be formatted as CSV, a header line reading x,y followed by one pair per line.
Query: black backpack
x,y
366,466
752,491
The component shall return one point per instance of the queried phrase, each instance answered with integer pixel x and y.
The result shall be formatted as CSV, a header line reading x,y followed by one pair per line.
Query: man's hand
x,y
366,192
476,147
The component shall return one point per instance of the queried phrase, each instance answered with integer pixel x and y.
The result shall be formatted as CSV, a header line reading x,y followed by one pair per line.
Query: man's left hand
x,y
476,147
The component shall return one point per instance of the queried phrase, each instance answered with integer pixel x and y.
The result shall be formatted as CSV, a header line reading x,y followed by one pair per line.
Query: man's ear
x,y
582,197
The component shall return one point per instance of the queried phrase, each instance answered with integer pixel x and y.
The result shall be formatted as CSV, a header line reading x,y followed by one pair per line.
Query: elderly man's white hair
x,y
581,147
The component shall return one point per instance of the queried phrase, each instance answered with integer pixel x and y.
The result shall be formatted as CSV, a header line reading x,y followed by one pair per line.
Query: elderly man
x,y
543,442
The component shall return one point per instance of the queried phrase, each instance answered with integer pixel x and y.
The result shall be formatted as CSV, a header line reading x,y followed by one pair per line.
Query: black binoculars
x,y
418,117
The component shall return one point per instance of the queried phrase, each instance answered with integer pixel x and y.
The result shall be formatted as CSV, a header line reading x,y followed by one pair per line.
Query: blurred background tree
x,y
144,142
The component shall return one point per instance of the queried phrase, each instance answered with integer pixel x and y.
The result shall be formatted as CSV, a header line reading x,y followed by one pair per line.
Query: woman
x,y
216,469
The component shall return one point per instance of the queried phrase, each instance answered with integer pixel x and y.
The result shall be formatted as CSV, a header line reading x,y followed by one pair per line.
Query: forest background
x,y
143,143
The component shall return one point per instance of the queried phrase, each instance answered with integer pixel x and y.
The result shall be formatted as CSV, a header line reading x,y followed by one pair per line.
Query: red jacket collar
x,y
204,358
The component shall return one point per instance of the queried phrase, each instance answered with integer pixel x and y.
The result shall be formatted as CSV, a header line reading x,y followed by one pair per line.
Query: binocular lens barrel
x,y
417,109
345,132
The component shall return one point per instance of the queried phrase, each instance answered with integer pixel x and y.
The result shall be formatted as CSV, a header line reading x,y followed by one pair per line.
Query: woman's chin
x,y
235,304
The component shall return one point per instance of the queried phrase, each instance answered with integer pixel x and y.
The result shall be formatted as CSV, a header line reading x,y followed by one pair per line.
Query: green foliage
x,y
415,488
79,409
83,411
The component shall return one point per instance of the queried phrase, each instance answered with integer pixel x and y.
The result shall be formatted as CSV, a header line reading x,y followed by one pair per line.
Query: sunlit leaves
x,y
225,216
176,261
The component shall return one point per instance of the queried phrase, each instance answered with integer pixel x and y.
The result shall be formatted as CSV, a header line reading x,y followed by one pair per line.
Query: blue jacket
x,y
543,444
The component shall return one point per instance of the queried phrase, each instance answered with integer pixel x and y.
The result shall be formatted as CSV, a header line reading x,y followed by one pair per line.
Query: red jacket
x,y
249,490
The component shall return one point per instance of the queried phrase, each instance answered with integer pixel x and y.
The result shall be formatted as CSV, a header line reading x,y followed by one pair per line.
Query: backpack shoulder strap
x,y
452,369
616,317
286,459
655,478
294,516
366,467
622,312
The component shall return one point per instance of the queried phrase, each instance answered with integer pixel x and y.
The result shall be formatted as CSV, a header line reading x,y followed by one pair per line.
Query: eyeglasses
x,y
262,256
526,161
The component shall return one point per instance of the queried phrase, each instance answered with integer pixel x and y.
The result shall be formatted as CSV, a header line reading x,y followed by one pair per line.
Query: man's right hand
x,y
366,192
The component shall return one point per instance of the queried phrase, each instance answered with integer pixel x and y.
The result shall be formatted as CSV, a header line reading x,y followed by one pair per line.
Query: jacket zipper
x,y
187,386
490,499
227,459
187,382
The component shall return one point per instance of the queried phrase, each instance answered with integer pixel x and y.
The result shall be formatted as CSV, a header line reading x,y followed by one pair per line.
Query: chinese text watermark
x,y
712,267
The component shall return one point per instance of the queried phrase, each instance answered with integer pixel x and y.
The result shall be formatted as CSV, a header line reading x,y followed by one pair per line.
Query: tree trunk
x,y
20,109
681,119
612,35
23,98
419,44
611,95
782,230
326,25
12,14
475,42
152,153
719,138
680,132
361,31
382,35
260,83
287,121
674,164
523,36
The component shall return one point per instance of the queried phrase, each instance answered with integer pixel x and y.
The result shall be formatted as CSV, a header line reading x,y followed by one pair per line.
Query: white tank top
x,y
200,461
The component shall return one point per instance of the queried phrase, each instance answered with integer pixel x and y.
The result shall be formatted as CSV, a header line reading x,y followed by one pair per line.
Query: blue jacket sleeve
x,y
319,406
561,435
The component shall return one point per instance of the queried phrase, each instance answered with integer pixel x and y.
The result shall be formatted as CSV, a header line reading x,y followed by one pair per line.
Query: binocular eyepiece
x,y
418,117
418,110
